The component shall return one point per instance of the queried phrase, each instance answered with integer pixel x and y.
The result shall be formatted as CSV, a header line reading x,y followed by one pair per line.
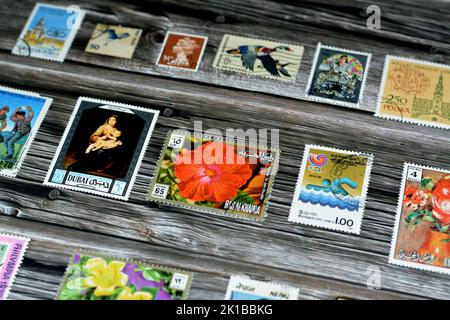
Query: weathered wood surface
x,y
323,264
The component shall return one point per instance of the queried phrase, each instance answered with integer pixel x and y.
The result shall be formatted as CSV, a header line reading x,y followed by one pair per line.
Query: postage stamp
x,y
338,76
49,32
182,51
331,189
91,276
115,41
12,250
415,91
259,57
421,236
21,114
213,175
102,148
244,288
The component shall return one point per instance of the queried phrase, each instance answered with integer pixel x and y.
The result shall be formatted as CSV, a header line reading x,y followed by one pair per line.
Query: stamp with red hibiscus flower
x,y
421,236
214,175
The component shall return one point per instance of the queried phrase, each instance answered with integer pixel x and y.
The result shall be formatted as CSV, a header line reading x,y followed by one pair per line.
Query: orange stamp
x,y
182,51
415,91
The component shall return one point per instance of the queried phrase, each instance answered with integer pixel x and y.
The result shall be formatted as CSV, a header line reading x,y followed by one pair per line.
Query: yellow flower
x,y
138,295
105,277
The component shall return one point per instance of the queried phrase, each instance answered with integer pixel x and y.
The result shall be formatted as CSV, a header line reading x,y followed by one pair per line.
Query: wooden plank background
x,y
323,264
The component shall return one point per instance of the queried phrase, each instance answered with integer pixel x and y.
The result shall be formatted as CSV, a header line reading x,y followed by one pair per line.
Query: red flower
x,y
441,200
211,172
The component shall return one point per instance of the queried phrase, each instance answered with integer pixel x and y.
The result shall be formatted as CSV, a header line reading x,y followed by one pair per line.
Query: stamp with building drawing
x,y
331,189
258,57
21,114
49,32
415,91
115,41
242,287
102,148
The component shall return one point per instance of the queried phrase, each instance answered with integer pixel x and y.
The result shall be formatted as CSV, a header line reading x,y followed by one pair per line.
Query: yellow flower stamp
x,y
116,41
415,91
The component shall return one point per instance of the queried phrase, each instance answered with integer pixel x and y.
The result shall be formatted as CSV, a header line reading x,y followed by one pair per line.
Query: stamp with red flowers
x,y
331,189
12,250
421,237
214,175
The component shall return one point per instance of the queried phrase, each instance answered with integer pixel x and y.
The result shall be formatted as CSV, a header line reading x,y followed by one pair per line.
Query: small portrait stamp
x,y
331,189
214,175
244,288
49,32
92,276
270,59
338,76
182,51
421,236
415,91
21,114
12,250
115,41
102,148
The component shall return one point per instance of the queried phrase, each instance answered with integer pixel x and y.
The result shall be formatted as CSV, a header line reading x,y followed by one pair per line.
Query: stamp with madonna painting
x,y
102,148
244,288
209,174
182,51
338,76
415,91
21,114
421,237
331,189
91,276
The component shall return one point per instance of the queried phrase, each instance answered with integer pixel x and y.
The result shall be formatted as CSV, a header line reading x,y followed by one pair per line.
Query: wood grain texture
x,y
323,264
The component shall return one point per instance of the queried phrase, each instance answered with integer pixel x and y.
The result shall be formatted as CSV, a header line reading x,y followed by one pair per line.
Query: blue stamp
x,y
58,176
49,32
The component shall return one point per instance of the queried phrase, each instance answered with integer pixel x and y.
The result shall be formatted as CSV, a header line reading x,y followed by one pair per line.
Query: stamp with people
x,y
182,51
243,288
215,175
421,237
259,57
115,41
338,76
12,250
21,114
102,148
91,276
331,189
49,32
415,91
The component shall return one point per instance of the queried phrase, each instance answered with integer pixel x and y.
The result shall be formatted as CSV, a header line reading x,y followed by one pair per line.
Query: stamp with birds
x,y
12,250
415,91
182,51
331,189
242,287
259,57
93,276
338,76
49,32
102,148
21,114
421,236
115,41
214,175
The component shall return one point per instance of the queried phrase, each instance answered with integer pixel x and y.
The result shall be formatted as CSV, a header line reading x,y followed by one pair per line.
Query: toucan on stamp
x,y
331,189
258,57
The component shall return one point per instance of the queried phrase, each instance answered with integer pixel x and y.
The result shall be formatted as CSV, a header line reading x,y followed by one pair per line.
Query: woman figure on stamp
x,y
184,50
106,136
